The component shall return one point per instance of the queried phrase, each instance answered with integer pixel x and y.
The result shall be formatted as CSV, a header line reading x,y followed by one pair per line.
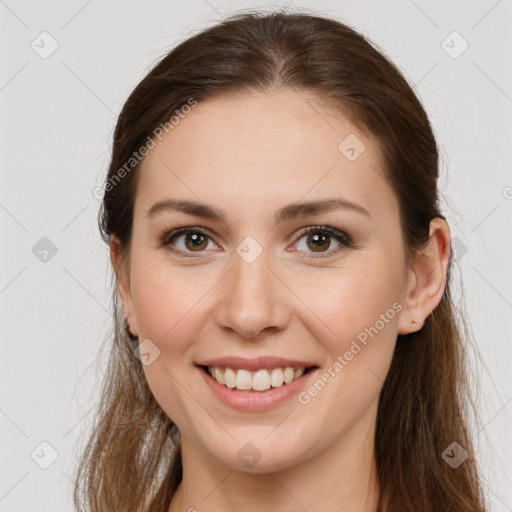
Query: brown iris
x,y
197,240
317,239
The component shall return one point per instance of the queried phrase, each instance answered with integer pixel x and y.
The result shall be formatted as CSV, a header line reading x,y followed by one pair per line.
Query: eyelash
x,y
344,239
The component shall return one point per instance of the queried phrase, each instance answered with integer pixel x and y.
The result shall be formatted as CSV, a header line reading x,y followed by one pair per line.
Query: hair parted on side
x,y
132,461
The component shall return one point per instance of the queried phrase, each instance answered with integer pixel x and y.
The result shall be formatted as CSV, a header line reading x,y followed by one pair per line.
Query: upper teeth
x,y
259,380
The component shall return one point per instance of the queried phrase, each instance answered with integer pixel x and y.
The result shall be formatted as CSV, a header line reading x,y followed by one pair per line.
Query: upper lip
x,y
255,364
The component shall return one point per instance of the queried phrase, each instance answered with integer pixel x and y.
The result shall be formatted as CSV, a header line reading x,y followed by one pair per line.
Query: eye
x,y
319,240
185,241
193,240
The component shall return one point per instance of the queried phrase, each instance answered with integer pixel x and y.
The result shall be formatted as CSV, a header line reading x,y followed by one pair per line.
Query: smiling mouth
x,y
261,380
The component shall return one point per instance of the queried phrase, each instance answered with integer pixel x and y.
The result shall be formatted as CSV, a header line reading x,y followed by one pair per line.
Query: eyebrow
x,y
287,213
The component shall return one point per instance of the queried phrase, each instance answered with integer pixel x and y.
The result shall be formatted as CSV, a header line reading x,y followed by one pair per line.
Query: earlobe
x,y
123,287
129,314
427,279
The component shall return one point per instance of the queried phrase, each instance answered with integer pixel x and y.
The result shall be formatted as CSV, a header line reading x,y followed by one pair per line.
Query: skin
x,y
250,155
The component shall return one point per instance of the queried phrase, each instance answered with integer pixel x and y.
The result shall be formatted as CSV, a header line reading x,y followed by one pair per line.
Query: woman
x,y
286,337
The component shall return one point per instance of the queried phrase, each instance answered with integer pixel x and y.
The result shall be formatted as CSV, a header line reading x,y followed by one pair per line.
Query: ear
x,y
123,280
427,279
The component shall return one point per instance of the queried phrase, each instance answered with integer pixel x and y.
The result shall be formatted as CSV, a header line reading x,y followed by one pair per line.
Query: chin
x,y
259,455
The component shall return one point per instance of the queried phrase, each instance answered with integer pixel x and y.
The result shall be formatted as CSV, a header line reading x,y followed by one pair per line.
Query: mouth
x,y
258,381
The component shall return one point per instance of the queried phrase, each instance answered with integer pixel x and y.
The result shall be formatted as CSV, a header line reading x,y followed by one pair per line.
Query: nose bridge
x,y
252,297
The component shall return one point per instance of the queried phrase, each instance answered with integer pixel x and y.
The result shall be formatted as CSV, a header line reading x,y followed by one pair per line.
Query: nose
x,y
252,299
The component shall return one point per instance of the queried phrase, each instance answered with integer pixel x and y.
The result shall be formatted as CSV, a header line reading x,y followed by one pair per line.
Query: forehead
x,y
264,150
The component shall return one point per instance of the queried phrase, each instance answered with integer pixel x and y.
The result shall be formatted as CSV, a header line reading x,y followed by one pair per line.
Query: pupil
x,y
317,238
196,240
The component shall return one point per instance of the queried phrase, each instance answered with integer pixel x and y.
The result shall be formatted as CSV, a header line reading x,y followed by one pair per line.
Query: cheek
x,y
358,334
345,301
167,301
171,314
353,314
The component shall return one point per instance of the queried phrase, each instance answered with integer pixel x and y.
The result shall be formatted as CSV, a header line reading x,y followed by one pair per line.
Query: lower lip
x,y
256,400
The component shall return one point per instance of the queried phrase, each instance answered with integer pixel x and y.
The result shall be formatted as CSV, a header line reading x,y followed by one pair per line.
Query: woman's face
x,y
252,286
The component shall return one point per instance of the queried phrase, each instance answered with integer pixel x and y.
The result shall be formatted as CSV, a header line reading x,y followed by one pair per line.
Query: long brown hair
x,y
132,460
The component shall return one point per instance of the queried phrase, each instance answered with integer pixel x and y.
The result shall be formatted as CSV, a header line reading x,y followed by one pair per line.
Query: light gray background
x,y
57,119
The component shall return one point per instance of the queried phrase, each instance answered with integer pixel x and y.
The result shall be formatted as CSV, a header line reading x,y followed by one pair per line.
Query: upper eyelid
x,y
169,234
